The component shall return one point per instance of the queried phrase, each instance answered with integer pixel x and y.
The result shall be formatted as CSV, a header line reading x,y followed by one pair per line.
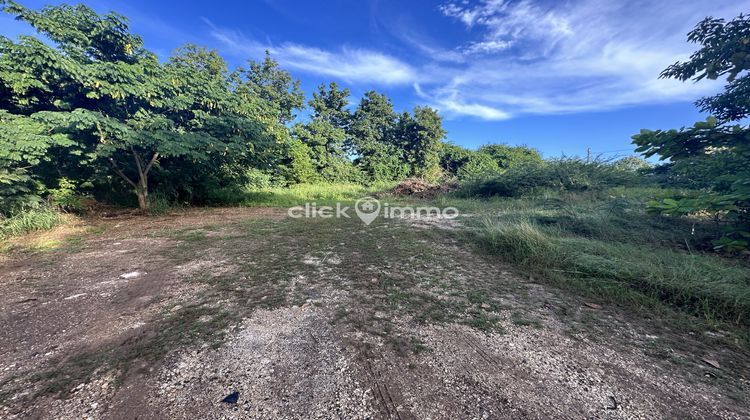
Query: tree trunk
x,y
141,187
142,193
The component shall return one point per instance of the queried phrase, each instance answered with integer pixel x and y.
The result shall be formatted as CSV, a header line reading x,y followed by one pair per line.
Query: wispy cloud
x,y
518,57
354,65
561,57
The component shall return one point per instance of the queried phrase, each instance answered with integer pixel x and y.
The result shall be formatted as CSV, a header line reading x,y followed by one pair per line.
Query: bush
x,y
29,220
565,174
478,166
257,179
65,197
511,156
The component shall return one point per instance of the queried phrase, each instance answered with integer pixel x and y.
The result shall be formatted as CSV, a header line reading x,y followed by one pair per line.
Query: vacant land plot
x,y
158,317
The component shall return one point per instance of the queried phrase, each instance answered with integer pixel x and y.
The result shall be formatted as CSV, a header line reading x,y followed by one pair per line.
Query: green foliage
x,y
275,86
86,101
453,157
564,174
725,51
421,137
712,155
632,164
256,179
29,220
478,166
511,156
110,102
371,139
66,197
300,167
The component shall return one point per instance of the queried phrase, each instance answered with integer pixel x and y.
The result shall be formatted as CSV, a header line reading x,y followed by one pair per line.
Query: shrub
x,y
567,174
478,166
511,156
65,197
257,179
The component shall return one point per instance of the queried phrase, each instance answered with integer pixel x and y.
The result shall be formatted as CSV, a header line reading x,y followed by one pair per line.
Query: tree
x,y
725,51
24,142
96,86
421,136
274,85
467,164
371,139
326,133
330,104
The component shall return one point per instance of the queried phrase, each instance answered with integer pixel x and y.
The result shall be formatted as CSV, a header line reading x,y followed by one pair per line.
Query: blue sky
x,y
558,75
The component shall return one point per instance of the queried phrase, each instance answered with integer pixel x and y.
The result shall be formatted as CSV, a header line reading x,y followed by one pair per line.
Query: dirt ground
x,y
165,317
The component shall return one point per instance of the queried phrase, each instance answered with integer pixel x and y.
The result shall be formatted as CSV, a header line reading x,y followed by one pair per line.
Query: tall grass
x,y
293,195
644,275
29,220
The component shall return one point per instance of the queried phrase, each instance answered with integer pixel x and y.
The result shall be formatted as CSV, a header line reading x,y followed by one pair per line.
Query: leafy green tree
x,y
299,167
274,85
329,105
24,143
510,156
725,51
95,85
467,164
326,133
421,136
371,139
632,164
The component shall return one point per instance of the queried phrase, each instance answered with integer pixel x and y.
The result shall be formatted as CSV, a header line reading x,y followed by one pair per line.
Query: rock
x,y
131,275
232,398
711,362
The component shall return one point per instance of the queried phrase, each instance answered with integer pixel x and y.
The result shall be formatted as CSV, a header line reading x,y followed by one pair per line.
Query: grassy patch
x,y
27,221
602,244
294,195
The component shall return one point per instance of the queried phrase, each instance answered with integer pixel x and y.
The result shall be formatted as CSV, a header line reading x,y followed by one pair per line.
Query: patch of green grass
x,y
30,220
604,245
484,321
294,195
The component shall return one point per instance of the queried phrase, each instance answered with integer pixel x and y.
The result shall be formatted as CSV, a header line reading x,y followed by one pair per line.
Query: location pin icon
x,y
367,209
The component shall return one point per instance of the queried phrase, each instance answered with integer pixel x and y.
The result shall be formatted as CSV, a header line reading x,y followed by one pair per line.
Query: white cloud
x,y
561,57
521,57
354,65
452,104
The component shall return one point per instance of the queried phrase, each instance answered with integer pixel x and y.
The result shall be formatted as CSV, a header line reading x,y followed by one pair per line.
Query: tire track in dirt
x,y
384,395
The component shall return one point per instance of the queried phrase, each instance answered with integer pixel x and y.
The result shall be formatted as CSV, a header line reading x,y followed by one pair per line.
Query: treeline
x,y
85,108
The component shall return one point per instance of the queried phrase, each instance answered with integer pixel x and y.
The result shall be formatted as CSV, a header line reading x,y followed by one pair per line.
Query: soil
x,y
165,317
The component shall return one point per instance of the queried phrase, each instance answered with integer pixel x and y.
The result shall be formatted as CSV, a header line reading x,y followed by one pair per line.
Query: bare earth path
x,y
165,317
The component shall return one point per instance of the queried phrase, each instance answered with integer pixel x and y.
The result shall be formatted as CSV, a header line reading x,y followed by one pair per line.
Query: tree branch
x,y
121,173
151,162
138,163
